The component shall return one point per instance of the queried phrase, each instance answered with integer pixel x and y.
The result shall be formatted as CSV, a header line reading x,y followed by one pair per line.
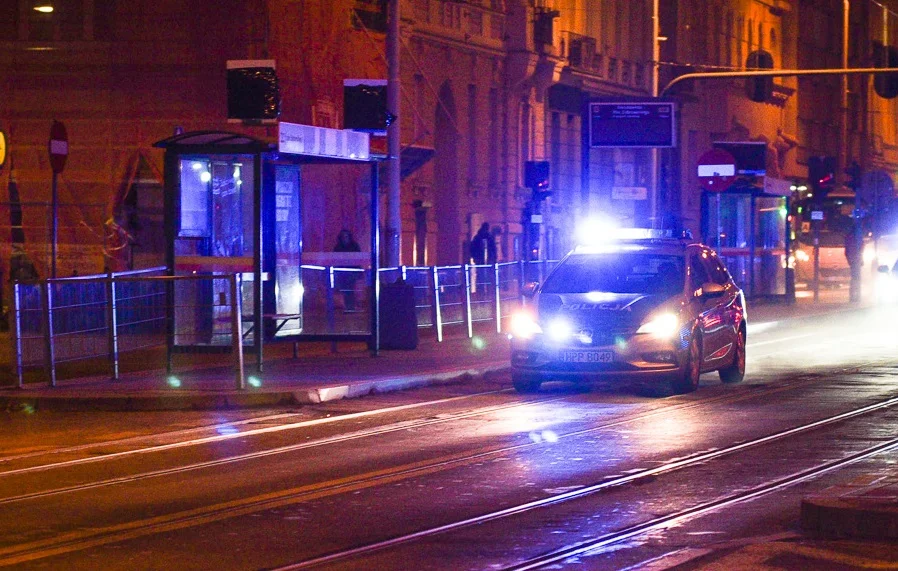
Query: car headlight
x,y
559,329
663,325
523,324
802,256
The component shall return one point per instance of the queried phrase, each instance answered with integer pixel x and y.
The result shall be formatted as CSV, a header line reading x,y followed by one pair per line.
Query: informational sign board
x,y
631,123
816,215
299,139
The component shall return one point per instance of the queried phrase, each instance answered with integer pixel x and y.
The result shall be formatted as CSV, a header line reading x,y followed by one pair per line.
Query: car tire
x,y
524,383
735,372
687,380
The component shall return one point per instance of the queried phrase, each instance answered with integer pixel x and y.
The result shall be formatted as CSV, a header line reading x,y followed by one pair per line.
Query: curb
x,y
865,508
232,399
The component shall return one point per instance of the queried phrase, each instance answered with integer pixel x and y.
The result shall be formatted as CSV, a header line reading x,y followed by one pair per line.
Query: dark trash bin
x,y
398,321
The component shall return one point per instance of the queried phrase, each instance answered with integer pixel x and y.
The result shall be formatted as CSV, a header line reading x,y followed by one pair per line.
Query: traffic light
x,y
536,177
821,174
853,175
885,84
759,89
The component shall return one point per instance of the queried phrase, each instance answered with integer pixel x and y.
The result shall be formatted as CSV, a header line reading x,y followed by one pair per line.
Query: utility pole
x,y
656,59
394,146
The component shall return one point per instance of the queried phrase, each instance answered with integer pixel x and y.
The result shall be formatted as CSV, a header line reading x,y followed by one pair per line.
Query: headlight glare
x,y
523,324
559,330
664,325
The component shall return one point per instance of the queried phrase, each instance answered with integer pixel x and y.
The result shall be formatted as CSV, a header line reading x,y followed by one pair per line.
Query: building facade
x,y
486,86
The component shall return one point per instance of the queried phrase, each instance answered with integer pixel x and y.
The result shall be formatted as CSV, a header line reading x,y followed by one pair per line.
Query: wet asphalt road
x,y
273,488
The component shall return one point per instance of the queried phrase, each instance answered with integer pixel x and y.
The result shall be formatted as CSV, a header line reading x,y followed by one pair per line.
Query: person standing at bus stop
x,y
345,280
483,251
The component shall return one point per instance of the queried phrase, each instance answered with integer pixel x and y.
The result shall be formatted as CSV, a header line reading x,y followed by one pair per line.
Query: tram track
x,y
477,455
636,476
183,437
85,539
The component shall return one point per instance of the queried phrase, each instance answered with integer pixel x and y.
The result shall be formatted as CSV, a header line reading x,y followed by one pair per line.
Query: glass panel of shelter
x,y
215,236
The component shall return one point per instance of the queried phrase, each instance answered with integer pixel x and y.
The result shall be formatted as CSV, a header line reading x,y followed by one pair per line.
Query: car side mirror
x,y
529,289
711,289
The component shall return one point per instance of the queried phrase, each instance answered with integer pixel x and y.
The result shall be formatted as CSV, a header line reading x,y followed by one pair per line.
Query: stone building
x,y
487,85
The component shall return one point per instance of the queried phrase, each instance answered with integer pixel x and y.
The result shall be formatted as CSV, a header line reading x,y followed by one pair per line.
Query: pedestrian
x,y
854,245
483,246
344,280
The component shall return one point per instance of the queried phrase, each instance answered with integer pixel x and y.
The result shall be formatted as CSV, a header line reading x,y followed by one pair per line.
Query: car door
x,y
725,311
731,303
711,316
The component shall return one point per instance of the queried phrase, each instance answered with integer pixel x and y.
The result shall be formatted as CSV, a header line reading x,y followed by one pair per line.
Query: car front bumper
x,y
639,356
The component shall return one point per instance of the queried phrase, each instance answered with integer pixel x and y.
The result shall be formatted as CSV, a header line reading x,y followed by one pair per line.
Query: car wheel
x,y
687,380
525,383
735,372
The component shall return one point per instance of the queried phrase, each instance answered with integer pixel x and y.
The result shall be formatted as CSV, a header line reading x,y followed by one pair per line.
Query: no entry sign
x,y
716,170
59,147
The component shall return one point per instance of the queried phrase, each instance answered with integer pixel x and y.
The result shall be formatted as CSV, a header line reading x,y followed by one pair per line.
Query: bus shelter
x,y
234,205
749,229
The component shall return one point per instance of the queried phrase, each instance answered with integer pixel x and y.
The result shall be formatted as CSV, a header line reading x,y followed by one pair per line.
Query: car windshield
x,y
619,272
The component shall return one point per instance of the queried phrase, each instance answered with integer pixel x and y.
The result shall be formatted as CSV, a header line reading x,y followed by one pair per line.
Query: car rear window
x,y
618,273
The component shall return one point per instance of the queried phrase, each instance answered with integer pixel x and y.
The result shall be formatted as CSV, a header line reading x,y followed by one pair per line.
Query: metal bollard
x,y
468,317
498,296
112,324
237,329
17,300
49,357
437,314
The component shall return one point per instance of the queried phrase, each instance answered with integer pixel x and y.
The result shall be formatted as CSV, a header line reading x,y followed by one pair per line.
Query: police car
x,y
640,305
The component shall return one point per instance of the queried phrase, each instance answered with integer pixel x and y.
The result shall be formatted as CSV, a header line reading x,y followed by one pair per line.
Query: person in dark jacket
x,y
483,246
345,281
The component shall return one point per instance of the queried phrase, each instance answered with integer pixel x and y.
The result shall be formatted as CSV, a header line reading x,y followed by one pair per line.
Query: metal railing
x,y
64,320
101,316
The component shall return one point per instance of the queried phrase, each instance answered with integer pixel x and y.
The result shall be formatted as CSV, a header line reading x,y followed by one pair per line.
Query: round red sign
x,y
716,170
59,147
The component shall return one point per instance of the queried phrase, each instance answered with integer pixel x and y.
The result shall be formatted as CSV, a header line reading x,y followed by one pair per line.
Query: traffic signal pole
x,y
774,73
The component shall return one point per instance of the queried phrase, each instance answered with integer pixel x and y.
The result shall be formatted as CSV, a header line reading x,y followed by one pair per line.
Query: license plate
x,y
587,356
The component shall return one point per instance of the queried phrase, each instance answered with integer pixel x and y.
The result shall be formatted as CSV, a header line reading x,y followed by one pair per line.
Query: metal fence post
x,y
112,324
49,357
469,321
169,323
330,298
17,331
521,280
237,330
437,315
498,299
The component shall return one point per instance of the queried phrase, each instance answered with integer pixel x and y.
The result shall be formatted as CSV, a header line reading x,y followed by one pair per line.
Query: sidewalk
x,y
319,375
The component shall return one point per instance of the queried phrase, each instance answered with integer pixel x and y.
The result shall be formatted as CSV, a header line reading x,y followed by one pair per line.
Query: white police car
x,y
640,305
